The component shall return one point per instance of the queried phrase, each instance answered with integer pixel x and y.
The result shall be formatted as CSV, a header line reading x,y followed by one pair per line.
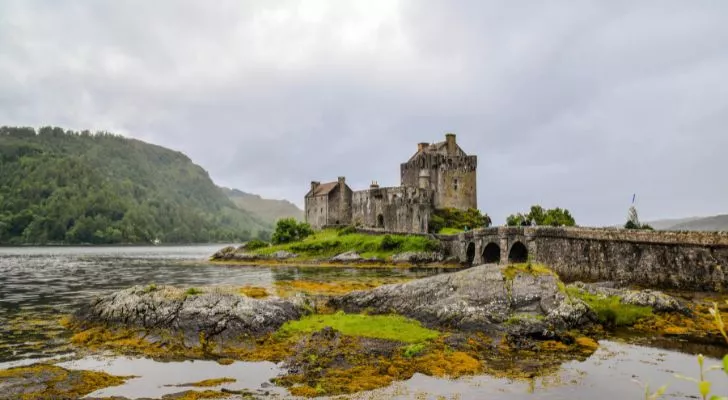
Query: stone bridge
x,y
675,260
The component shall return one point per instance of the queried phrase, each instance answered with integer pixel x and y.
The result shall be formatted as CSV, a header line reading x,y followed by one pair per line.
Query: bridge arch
x,y
491,253
518,253
470,253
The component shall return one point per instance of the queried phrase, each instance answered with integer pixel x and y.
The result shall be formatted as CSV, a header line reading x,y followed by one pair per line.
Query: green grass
x,y
610,310
328,243
390,327
450,231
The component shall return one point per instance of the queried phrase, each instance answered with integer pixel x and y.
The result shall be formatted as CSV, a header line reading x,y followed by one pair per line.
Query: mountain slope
x,y
69,187
267,209
666,224
714,223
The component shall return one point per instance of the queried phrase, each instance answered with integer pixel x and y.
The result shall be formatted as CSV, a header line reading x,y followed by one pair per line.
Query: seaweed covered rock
x,y
43,381
517,300
212,312
655,299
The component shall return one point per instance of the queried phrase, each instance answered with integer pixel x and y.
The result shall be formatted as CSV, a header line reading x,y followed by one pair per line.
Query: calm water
x,y
38,285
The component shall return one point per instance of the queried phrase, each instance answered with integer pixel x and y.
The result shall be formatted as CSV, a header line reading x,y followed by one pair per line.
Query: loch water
x,y
38,285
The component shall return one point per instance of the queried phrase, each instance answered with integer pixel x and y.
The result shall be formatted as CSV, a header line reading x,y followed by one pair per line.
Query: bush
x,y
390,242
347,230
255,244
289,230
457,219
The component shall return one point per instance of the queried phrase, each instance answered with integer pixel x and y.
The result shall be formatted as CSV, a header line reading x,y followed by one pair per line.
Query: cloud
x,y
567,104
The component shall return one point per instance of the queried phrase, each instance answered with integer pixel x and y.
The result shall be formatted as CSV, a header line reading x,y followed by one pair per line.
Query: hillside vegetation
x,y
68,187
268,210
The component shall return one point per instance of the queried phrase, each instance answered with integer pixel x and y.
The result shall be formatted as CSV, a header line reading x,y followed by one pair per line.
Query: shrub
x,y
289,230
390,242
348,230
255,244
457,219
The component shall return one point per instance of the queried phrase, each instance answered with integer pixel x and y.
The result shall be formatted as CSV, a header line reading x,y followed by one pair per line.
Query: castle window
x,y
455,184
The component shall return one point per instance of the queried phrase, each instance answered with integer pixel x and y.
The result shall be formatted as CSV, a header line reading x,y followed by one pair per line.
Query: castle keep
x,y
439,175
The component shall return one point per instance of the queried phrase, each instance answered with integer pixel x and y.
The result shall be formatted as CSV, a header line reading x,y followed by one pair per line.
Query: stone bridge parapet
x,y
678,260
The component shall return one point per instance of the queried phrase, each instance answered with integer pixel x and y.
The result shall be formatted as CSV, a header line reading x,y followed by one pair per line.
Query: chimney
x,y
422,146
342,181
314,185
451,144
374,185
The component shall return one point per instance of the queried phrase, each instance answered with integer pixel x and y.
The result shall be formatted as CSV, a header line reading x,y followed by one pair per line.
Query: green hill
x,y
268,210
68,187
714,223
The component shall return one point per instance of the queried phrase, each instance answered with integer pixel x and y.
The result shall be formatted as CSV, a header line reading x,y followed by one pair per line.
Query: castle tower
x,y
446,169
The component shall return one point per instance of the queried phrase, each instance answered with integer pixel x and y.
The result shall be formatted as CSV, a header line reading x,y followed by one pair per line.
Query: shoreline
x,y
334,264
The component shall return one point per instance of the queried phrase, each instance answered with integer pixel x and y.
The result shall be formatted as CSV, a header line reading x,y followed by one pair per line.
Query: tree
x,y
290,230
457,219
540,216
633,221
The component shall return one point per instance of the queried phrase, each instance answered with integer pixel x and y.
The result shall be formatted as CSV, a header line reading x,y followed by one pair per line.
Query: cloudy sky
x,y
577,104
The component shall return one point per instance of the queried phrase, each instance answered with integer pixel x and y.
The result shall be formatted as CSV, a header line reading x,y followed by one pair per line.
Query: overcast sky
x,y
577,104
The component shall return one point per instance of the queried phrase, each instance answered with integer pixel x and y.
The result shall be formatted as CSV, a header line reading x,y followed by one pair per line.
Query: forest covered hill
x,y
268,210
63,187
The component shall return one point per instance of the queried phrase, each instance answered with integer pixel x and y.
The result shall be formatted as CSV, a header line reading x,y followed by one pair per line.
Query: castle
x,y
439,175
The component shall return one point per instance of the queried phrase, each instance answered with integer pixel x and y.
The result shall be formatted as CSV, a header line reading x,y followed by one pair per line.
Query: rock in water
x,y
214,312
481,298
656,299
347,257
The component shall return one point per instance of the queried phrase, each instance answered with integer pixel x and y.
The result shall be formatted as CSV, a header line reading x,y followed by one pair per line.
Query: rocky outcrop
x,y
481,298
349,256
232,254
656,299
414,257
213,312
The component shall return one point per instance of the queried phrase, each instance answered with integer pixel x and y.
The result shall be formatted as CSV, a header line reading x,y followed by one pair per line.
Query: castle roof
x,y
323,188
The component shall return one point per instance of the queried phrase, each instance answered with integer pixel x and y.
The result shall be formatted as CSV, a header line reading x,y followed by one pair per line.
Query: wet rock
x,y
43,381
478,299
417,257
349,256
283,255
656,299
215,313
225,253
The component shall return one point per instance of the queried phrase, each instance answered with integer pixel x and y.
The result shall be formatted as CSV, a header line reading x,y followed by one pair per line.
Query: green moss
x,y
512,270
193,292
390,327
610,310
450,231
329,242
517,318
414,349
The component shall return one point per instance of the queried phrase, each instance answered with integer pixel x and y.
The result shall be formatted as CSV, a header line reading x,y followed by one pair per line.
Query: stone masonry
x,y
439,175
673,260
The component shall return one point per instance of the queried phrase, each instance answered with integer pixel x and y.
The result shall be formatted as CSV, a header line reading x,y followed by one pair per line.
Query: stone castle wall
x,y
451,177
316,211
400,209
675,260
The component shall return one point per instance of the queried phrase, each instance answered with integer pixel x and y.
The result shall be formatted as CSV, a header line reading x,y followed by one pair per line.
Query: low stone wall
x,y
674,260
